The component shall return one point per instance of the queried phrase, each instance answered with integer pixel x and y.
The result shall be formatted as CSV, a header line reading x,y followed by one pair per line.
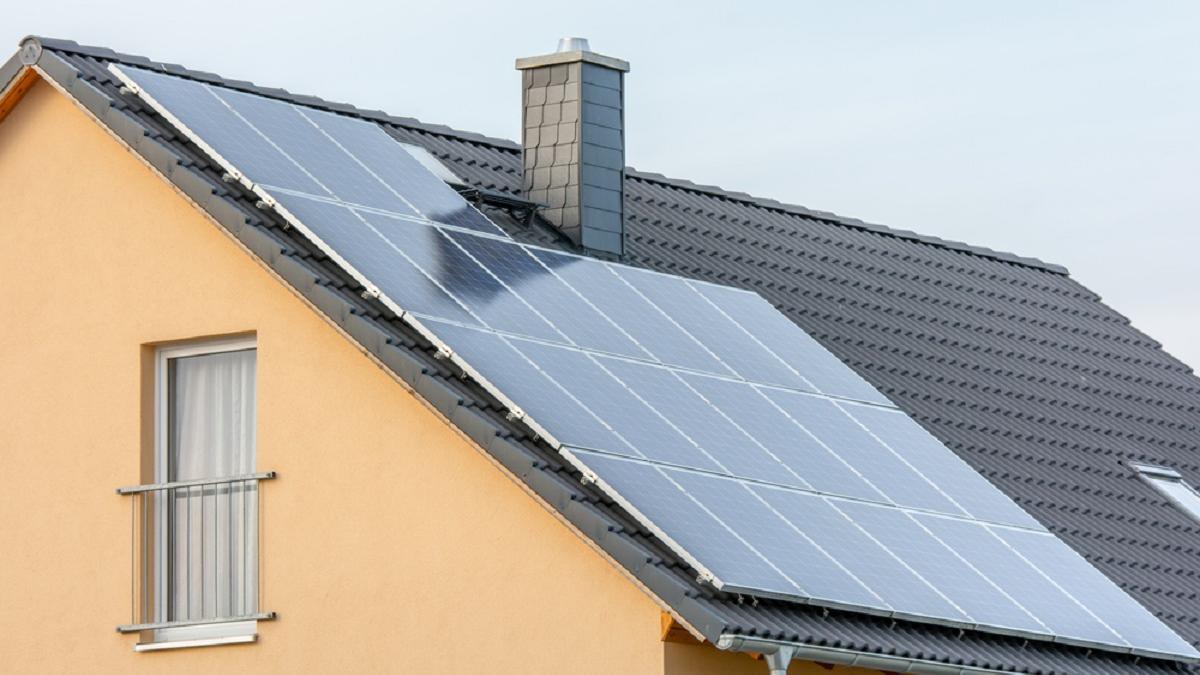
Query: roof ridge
x,y
506,144
848,221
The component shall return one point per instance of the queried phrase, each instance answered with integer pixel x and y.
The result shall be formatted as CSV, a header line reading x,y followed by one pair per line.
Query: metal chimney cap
x,y
573,44
572,50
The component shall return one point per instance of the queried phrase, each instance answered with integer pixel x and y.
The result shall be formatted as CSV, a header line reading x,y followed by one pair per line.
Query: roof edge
x,y
37,42
786,651
9,71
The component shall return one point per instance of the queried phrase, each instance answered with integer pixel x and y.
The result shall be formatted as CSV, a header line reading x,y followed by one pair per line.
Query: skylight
x,y
1170,483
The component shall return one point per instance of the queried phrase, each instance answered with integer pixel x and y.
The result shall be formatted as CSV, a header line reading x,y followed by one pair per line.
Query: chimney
x,y
573,127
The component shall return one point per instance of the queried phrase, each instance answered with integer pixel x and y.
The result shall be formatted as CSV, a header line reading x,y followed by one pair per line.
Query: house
x,y
219,433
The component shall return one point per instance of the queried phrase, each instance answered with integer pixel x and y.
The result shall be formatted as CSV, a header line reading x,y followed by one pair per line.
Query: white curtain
x,y
213,540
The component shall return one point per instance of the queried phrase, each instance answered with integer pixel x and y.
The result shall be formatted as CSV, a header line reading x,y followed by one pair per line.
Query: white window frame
x,y
1160,476
200,635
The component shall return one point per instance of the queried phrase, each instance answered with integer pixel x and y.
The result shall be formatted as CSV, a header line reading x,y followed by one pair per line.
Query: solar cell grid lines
x,y
279,146
754,453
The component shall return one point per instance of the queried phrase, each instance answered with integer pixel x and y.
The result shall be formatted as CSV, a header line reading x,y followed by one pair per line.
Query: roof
x,y
1016,367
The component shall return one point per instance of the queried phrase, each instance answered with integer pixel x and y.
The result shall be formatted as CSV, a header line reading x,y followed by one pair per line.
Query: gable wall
x,y
388,542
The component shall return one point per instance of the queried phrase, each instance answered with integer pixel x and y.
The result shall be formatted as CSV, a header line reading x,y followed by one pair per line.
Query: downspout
x,y
779,653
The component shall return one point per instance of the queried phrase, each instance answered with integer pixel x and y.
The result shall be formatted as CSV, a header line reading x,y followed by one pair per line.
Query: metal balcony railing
x,y
195,558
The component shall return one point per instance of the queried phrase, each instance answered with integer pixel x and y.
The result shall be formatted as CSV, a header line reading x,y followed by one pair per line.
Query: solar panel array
x,y
753,452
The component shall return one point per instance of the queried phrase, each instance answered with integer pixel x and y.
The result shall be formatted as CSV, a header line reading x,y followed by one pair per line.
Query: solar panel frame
x,y
573,455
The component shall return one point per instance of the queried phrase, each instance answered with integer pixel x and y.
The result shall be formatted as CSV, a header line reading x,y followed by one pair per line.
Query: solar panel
x,y
988,553
796,349
725,339
435,167
886,471
809,463
580,322
901,590
657,334
975,595
926,455
749,449
276,146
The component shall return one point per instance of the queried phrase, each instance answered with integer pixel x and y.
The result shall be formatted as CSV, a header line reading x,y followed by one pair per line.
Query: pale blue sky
x,y
1069,131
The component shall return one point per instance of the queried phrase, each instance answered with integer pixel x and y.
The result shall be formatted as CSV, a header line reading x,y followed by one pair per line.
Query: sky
x,y
1065,130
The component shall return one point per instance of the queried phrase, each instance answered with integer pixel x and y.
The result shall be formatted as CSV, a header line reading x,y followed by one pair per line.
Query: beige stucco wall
x,y
389,543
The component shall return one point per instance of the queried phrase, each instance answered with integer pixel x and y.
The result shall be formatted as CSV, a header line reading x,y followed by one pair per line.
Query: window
x,y
197,527
1170,483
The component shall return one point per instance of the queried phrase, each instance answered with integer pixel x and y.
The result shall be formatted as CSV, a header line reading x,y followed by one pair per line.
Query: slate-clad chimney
x,y
573,122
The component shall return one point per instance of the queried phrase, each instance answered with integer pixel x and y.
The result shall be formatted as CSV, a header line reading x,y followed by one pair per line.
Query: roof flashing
x,y
1155,470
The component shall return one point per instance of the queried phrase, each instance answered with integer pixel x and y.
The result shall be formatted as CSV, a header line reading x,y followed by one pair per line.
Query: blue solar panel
x,y
288,128
897,585
725,339
989,554
694,529
732,451
635,421
473,286
887,472
926,454
792,553
394,166
664,340
577,320
279,145
808,463
819,368
717,422
344,230
212,121
1103,598
975,595
539,397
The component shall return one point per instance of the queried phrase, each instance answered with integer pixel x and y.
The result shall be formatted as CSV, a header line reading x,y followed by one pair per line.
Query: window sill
x,y
202,642
202,633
